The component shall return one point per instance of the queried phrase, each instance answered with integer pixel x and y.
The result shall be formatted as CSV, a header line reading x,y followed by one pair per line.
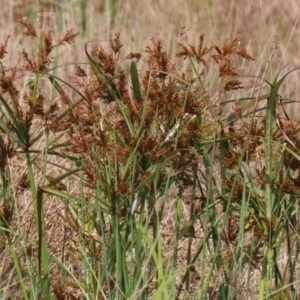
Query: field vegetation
x,y
149,150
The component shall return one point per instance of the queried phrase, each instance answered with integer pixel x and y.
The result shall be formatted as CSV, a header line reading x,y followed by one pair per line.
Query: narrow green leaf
x,y
10,116
60,178
52,191
105,81
135,82
133,154
36,138
12,135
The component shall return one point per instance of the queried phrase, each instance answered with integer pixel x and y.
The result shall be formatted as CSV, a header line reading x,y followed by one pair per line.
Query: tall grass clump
x,y
121,182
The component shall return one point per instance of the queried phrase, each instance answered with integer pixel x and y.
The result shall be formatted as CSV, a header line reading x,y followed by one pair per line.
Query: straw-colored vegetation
x,y
149,150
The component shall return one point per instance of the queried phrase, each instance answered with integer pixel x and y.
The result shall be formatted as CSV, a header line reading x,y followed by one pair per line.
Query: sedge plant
x,y
159,184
